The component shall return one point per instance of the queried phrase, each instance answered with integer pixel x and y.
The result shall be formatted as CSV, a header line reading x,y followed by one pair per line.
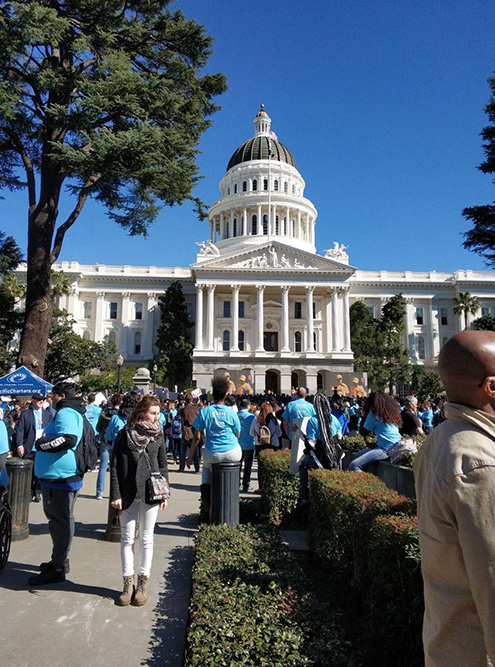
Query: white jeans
x,y
230,456
147,519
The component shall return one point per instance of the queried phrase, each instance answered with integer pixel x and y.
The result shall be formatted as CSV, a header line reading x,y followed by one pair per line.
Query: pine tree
x,y
481,238
10,318
104,99
174,336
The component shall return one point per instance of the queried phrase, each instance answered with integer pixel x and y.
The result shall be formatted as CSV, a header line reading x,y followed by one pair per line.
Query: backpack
x,y
177,426
86,451
265,436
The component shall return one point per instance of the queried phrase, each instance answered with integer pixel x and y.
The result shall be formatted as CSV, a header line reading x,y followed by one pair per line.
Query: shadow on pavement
x,y
167,639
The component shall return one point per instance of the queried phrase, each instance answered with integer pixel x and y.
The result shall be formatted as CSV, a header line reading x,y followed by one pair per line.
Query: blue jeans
x,y
364,459
105,450
184,446
306,463
247,461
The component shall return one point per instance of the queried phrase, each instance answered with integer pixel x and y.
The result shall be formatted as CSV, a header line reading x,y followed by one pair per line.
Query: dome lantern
x,y
262,123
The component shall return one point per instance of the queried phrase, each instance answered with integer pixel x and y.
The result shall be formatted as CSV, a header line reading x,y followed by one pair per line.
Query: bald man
x,y
455,485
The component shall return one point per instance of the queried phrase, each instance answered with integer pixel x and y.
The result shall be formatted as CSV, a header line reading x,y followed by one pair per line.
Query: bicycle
x,y
5,527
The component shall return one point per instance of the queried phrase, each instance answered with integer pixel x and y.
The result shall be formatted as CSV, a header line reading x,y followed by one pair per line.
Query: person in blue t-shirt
x,y
4,451
381,417
246,441
93,412
222,428
297,409
55,465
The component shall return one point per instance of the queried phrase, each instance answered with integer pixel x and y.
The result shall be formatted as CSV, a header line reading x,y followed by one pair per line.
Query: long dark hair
x,y
384,407
141,409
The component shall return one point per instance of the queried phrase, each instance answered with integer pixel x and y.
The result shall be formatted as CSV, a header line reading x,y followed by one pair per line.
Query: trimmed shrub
x,y
342,508
353,443
251,605
279,486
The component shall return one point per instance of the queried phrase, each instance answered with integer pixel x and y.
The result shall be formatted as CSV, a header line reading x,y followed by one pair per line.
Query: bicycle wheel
x,y
5,536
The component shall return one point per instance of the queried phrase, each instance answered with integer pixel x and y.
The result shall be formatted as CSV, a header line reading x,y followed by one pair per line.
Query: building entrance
x,y
270,341
272,382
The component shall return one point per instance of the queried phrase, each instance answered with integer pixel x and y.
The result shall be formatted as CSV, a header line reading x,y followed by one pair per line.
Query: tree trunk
x,y
38,315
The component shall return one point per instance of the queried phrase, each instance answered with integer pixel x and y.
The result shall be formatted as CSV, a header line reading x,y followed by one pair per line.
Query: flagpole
x,y
269,188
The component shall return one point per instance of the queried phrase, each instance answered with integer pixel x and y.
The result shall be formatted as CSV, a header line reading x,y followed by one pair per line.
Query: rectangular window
x,y
314,310
226,308
421,348
297,310
138,311
371,311
87,310
113,310
444,316
419,316
241,309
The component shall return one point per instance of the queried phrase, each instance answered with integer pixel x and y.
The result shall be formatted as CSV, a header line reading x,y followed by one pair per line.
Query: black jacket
x,y
25,432
130,471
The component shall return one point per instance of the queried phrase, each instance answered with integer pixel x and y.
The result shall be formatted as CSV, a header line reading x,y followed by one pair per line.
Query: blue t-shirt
x,y
246,418
221,425
427,418
61,465
387,434
296,410
115,425
93,413
4,448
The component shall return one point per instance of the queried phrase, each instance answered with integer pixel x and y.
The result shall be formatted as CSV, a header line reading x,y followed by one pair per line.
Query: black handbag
x,y
157,486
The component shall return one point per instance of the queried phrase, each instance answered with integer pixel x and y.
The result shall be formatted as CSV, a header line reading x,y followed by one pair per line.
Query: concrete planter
x,y
398,478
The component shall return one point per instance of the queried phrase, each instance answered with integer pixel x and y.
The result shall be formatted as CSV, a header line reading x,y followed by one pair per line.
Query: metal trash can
x,y
225,494
20,472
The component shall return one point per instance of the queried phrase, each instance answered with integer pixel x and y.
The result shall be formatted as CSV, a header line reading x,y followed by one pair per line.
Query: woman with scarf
x,y
139,449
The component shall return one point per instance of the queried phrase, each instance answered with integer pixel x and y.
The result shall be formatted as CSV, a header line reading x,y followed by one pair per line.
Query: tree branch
x,y
64,227
28,165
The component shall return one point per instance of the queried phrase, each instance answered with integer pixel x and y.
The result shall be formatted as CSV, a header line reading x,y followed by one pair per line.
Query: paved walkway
x,y
76,623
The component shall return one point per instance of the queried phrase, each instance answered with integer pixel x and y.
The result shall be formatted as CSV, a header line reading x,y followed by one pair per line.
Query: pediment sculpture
x,y
272,260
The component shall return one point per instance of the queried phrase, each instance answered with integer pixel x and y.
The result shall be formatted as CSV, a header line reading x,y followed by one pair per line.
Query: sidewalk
x,y
76,622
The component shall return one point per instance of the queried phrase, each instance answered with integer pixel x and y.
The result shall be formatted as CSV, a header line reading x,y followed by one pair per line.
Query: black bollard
x,y
225,494
112,533
20,473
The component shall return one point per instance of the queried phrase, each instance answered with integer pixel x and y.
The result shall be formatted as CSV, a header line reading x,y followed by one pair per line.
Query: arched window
x,y
298,341
226,340
111,336
87,335
265,224
234,230
276,225
137,342
315,341
228,190
227,229
244,186
293,189
319,381
293,228
265,184
285,187
421,347
254,225
235,188
255,184
294,380
275,186
285,226
242,341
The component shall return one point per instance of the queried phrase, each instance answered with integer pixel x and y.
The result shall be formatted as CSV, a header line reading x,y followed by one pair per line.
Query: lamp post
x,y
155,368
119,361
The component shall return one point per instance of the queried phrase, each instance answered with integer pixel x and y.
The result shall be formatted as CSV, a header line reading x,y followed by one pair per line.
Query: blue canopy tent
x,y
22,381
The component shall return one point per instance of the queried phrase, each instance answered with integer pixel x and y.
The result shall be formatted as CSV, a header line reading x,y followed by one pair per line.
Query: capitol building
x,y
267,308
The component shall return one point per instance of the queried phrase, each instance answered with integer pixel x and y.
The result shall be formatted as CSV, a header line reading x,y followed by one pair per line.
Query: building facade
x,y
267,308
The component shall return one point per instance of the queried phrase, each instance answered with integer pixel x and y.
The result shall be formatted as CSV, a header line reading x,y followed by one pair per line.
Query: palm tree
x,y
466,305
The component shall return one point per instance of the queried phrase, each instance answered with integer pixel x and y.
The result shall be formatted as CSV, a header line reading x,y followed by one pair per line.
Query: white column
x,y
347,320
245,226
210,324
150,325
260,221
100,316
231,223
287,217
410,342
222,226
261,323
299,226
285,318
335,322
126,317
234,344
310,347
434,329
199,317
274,220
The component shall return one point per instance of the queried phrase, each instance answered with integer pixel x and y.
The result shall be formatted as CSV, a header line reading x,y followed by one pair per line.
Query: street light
x,y
155,368
119,361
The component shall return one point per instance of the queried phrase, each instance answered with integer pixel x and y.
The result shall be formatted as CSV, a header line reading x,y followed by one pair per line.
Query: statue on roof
x,y
208,248
337,252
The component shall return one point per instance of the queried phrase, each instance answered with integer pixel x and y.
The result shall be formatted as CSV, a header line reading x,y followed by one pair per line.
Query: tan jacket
x,y
455,485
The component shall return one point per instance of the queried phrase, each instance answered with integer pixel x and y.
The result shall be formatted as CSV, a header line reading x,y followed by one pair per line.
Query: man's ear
x,y
489,386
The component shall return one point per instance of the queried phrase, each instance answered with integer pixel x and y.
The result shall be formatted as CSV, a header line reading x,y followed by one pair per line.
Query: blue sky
x,y
381,104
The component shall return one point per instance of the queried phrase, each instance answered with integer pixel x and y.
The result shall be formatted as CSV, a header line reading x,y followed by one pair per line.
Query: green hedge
x,y
366,537
279,487
251,605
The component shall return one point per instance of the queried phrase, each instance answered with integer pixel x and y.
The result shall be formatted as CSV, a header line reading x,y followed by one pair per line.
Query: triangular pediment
x,y
273,256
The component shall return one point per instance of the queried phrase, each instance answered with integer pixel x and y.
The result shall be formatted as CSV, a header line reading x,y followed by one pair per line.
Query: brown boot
x,y
127,593
141,594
